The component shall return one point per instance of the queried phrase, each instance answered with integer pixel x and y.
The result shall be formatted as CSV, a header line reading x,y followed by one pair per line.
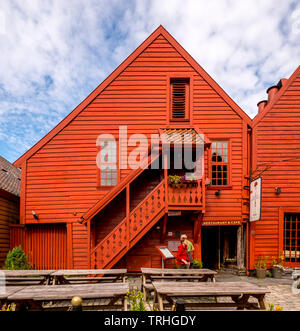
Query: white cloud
x,y
53,53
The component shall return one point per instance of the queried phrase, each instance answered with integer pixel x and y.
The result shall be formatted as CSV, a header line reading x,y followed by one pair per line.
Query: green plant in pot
x,y
197,264
261,267
174,181
277,267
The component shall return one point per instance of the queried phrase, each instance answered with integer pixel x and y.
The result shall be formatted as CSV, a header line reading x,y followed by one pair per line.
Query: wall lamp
x,y
35,216
218,193
278,190
81,220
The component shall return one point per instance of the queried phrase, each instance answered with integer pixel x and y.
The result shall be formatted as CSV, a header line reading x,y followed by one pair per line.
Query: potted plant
x,y
261,267
174,181
277,267
197,264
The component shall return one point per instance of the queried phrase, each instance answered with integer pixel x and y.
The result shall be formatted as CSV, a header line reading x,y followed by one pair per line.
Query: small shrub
x,y
16,260
261,262
6,307
275,308
136,301
197,264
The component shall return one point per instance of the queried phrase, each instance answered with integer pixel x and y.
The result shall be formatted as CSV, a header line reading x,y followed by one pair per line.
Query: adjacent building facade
x,y
10,182
276,158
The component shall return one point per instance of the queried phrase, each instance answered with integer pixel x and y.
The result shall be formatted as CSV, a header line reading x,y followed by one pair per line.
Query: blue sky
x,y
53,53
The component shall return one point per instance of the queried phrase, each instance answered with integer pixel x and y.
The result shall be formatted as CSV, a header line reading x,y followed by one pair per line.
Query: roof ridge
x,y
153,36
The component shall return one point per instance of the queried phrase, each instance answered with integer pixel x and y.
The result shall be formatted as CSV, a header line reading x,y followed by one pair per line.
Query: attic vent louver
x,y
180,99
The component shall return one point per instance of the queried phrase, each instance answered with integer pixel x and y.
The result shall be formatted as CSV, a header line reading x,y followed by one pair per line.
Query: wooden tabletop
x,y
27,273
208,289
82,272
178,271
9,290
67,292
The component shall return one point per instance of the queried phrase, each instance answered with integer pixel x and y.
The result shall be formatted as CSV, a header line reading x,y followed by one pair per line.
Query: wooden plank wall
x,y
44,245
278,138
9,214
144,254
61,178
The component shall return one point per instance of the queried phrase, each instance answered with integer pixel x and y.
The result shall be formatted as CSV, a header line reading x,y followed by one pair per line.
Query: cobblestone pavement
x,y
281,289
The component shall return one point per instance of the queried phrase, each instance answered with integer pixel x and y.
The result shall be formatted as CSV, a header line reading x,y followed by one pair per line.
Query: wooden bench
x,y
38,297
150,275
238,292
7,291
27,277
89,276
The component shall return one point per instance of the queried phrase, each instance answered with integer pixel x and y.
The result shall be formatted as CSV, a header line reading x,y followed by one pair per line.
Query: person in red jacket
x,y
183,260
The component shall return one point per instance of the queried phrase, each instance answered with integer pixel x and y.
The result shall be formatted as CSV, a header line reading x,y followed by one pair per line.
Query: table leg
x,y
241,301
160,302
154,299
125,302
262,302
143,287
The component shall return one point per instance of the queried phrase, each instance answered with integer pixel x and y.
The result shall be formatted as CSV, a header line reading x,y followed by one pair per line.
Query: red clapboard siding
x,y
61,174
277,138
44,245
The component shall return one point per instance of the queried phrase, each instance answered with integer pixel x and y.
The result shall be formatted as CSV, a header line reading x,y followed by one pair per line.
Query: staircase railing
x,y
120,240
186,195
119,188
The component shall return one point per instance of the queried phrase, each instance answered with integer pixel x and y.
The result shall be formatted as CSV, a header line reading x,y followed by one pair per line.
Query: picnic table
x,y
150,275
33,297
7,291
239,292
90,276
27,277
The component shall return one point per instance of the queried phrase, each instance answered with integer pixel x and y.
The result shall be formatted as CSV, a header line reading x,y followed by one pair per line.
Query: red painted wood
x,y
276,140
121,237
45,246
59,174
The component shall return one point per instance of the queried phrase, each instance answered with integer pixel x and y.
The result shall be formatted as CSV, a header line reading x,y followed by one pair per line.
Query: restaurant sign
x,y
255,200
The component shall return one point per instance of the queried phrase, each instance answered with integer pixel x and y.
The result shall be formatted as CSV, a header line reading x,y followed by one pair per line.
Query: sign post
x,y
255,200
165,254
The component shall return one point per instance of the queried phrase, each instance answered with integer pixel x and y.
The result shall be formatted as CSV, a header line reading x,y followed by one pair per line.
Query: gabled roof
x,y
159,31
10,177
276,98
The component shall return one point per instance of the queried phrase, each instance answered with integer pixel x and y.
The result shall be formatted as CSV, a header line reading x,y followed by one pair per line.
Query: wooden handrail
x,y
132,212
116,237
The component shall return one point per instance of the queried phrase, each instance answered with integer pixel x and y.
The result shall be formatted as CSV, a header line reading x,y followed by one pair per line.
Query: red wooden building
x,y
276,158
10,182
74,215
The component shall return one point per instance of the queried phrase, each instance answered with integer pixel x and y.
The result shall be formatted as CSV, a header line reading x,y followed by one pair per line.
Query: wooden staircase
x,y
131,229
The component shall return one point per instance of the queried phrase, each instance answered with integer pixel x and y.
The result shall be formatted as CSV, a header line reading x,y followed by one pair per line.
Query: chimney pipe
x,y
261,105
283,81
272,92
